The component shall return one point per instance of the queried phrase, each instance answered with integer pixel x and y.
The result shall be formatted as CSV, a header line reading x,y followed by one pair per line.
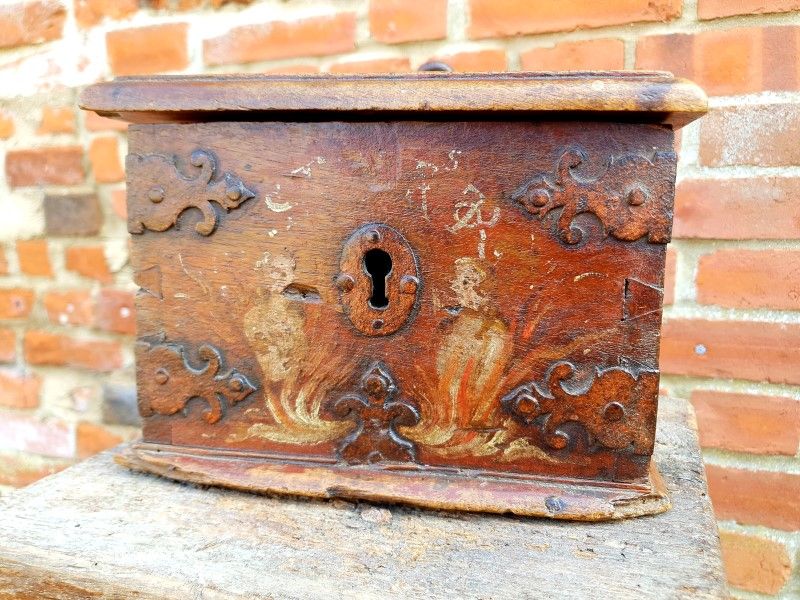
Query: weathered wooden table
x,y
97,530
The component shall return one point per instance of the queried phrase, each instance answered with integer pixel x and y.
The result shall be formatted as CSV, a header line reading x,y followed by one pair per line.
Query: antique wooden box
x,y
437,289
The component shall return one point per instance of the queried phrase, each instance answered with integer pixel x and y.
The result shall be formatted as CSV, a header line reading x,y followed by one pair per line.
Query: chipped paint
x,y
469,275
305,170
452,156
422,165
473,216
278,270
274,206
274,328
588,274
423,193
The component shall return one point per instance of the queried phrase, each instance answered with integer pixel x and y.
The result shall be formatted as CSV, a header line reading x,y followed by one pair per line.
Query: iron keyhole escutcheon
x,y
379,279
378,264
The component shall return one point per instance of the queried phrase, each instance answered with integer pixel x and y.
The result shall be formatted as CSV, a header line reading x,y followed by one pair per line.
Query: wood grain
x,y
97,530
434,288
504,297
647,97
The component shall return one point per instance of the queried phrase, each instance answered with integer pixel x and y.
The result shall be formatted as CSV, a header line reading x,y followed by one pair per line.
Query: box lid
x,y
632,96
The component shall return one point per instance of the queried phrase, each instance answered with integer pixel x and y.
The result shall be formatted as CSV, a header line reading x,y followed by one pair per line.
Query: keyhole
x,y
378,265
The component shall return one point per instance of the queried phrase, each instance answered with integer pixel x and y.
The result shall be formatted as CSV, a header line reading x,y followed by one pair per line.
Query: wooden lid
x,y
632,96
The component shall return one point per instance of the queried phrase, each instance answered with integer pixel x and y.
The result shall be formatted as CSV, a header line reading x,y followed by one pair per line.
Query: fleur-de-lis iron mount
x,y
377,414
169,380
160,193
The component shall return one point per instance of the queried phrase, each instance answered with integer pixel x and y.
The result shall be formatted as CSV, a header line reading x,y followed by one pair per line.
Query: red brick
x,y
92,438
119,204
676,145
89,261
106,164
82,398
761,135
146,50
72,307
299,69
282,39
72,214
765,208
493,18
95,122
18,390
57,119
396,21
755,497
44,348
480,61
91,12
732,350
116,312
191,4
750,279
214,3
754,563
26,433
119,405
6,126
43,166
31,22
605,54
714,9
732,61
17,470
34,258
8,346
745,423
378,65
15,303
669,275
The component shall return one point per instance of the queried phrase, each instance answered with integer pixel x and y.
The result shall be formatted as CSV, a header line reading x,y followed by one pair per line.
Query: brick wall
x,y
732,328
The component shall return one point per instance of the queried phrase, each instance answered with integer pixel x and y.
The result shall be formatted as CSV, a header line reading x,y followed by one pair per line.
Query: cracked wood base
x,y
445,489
97,530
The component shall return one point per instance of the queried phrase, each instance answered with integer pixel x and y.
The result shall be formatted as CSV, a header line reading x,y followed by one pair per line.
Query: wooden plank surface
x,y
647,97
99,531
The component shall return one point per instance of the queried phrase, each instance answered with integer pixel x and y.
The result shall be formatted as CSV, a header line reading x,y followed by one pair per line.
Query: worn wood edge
x,y
648,98
417,75
572,500
66,577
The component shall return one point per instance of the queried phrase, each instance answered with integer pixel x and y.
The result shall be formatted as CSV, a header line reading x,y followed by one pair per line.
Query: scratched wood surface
x,y
370,287
502,299
641,96
98,530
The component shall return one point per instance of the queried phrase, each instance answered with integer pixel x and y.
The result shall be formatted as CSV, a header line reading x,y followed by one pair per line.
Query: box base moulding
x,y
429,487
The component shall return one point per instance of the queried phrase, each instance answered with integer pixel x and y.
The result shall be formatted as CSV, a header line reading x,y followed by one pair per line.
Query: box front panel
x,y
472,295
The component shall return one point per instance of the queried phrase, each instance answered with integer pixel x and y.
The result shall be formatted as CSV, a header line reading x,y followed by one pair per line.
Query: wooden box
x,y
436,289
